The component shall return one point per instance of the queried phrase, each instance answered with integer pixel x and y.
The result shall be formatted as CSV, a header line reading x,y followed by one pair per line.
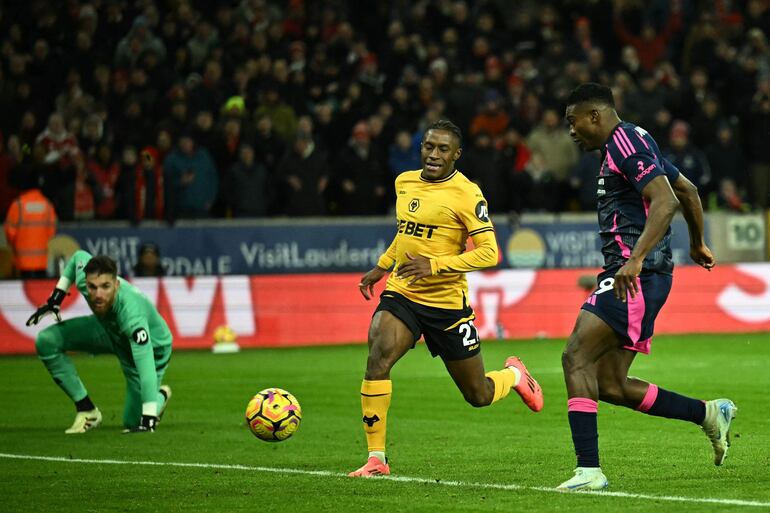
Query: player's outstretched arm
x,y
51,307
53,304
692,210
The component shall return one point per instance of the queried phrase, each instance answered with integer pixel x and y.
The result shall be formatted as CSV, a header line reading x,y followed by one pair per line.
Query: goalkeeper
x,y
125,324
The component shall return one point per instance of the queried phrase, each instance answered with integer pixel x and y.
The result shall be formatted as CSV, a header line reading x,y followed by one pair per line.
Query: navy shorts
x,y
448,333
633,321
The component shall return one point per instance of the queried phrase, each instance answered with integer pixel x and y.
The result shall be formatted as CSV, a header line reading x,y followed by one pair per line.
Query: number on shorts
x,y
469,333
605,285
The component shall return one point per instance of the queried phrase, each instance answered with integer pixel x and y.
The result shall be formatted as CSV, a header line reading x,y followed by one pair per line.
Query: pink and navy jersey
x,y
630,160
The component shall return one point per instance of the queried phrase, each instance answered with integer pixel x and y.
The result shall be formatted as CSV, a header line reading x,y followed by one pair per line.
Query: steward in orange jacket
x,y
29,225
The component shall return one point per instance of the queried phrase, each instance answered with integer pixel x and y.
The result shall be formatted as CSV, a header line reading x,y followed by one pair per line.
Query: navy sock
x,y
84,404
585,436
674,406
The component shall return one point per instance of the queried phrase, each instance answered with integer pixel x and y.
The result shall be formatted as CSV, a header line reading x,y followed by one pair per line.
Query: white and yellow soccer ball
x,y
273,415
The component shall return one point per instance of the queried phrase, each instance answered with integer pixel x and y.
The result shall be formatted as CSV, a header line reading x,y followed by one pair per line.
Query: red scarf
x,y
140,185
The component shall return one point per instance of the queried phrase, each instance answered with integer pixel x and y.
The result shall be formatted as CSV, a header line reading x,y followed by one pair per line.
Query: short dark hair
x,y
101,265
445,124
591,91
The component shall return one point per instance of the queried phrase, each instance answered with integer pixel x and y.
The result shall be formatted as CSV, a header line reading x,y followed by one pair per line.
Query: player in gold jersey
x,y
437,208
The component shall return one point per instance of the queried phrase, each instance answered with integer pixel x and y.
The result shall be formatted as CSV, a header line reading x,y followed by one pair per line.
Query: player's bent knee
x,y
377,368
568,361
48,342
478,397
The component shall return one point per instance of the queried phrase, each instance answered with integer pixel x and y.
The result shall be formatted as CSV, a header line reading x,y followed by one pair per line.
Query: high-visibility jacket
x,y
29,225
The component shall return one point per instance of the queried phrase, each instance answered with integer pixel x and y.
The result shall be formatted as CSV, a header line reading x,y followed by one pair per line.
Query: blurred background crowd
x,y
153,109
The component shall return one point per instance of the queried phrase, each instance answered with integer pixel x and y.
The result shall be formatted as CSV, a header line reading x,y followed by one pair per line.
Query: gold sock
x,y
503,381
375,401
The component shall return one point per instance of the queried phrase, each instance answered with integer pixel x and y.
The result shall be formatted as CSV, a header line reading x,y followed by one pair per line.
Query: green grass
x,y
433,435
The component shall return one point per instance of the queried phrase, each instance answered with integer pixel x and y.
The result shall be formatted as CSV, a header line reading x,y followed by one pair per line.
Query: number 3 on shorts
x,y
469,333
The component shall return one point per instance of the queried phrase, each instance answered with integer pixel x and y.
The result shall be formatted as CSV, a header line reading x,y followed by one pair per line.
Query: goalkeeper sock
x,y
84,404
503,380
380,455
663,403
375,401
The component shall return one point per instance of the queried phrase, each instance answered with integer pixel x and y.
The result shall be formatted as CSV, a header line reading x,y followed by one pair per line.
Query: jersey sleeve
x,y
483,256
134,326
474,212
388,258
672,172
474,215
638,165
76,263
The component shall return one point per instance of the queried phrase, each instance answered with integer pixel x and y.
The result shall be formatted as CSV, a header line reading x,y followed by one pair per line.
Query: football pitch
x,y
444,454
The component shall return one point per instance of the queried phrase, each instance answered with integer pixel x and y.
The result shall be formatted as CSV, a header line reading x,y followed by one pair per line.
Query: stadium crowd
x,y
193,109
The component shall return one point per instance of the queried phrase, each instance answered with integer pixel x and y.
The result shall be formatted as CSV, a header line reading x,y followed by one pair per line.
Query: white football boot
x,y
585,478
85,421
719,416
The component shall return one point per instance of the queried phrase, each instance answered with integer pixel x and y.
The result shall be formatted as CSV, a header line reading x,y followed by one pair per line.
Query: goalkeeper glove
x,y
52,306
147,425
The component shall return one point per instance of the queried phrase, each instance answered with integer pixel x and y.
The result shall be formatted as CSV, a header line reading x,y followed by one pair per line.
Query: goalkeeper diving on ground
x,y
124,323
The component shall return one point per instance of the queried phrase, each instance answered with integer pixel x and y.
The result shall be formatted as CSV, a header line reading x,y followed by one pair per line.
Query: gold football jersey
x,y
434,220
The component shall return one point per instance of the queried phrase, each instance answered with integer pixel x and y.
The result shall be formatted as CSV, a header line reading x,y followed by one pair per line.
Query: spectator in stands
x,y
302,178
59,144
74,102
282,115
492,118
92,134
642,103
142,185
359,176
403,154
759,119
80,201
727,160
555,154
479,164
248,186
650,45
512,163
8,181
139,39
29,224
203,129
268,146
706,121
105,171
149,263
688,158
190,180
583,180
729,197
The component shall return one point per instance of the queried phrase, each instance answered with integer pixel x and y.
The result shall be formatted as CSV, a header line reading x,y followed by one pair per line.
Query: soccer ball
x,y
224,334
273,415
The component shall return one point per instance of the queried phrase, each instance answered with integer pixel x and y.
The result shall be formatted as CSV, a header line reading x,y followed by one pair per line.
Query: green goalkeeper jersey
x,y
133,325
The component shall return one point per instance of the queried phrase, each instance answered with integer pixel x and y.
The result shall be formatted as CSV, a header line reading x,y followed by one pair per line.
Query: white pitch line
x,y
401,479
